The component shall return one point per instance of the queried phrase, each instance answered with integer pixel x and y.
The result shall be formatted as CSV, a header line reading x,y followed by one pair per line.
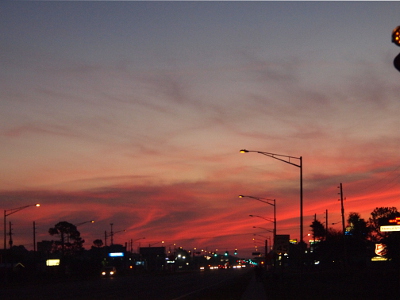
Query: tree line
x,y
361,240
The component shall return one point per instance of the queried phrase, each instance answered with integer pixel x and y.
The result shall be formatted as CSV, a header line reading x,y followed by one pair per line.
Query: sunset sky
x,y
133,113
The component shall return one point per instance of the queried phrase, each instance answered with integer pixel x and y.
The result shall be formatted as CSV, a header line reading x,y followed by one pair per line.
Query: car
x,y
108,271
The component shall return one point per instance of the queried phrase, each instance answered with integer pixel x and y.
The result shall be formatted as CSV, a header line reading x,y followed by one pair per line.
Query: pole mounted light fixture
x,y
79,224
267,219
294,161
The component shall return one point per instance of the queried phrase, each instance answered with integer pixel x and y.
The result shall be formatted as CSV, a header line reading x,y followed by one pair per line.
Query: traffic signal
x,y
396,41
396,36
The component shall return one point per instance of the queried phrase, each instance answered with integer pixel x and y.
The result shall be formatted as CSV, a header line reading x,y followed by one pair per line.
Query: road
x,y
213,284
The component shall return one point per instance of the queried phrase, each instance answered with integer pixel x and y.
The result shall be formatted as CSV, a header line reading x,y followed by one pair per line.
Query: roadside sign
x,y
387,228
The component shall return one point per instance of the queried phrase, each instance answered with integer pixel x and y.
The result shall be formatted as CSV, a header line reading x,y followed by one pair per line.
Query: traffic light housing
x,y
396,62
396,41
396,36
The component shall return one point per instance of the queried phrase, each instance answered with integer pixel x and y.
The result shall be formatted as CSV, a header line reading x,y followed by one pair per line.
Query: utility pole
x,y
266,254
105,238
10,233
326,224
343,226
315,222
342,207
112,234
34,237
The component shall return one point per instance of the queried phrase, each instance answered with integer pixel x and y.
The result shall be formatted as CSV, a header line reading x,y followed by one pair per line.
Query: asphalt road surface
x,y
202,285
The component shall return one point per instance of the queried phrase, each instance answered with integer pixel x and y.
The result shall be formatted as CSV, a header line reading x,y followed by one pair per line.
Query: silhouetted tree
x,y
98,243
70,238
318,230
358,227
330,252
381,216
356,240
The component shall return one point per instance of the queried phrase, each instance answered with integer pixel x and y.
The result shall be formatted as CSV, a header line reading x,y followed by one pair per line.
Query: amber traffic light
x,y
396,36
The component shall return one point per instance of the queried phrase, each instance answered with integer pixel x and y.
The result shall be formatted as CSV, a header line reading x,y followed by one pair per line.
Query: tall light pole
x,y
8,212
267,201
288,159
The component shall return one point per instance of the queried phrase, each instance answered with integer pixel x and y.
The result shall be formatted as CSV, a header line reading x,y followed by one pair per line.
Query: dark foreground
x,y
366,283
333,284
208,285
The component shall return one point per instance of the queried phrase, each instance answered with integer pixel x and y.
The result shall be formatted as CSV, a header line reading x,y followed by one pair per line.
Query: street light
x,y
91,221
288,159
162,242
8,212
267,201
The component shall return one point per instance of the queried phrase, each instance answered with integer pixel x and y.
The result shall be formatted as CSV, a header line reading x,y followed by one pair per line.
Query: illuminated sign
x,y
116,254
379,258
387,228
52,262
395,221
314,241
380,249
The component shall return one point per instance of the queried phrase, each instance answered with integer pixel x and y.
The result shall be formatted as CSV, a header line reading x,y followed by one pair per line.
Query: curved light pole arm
x,y
260,199
276,156
79,224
